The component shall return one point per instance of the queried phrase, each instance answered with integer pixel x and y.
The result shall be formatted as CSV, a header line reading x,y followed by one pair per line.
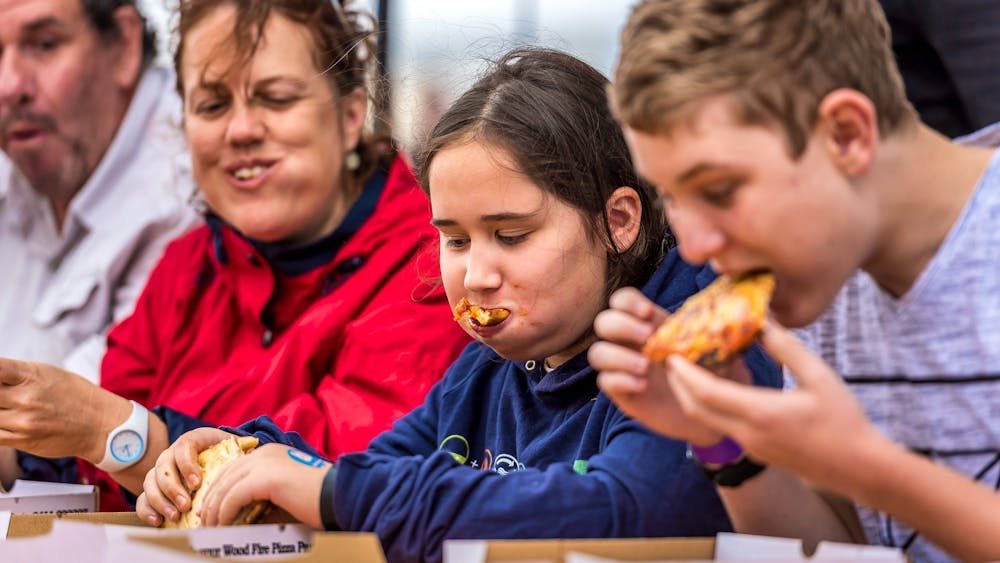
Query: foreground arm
x,y
413,501
50,412
289,478
167,487
819,432
774,503
414,495
177,472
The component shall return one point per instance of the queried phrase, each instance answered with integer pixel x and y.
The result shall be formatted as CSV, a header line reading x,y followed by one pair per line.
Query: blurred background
x,y
436,48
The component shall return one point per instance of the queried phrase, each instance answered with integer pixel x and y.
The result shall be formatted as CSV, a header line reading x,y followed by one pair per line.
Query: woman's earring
x,y
352,161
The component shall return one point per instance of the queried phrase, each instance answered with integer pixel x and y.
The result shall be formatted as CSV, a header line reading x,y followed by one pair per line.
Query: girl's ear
x,y
624,211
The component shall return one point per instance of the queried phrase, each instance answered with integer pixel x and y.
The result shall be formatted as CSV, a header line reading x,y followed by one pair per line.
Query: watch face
x,y
127,446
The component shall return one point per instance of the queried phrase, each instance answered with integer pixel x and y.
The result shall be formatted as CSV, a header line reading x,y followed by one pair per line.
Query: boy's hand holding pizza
x,y
656,368
638,339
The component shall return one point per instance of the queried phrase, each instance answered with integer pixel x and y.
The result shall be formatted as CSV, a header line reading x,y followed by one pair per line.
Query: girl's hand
x,y
165,493
291,479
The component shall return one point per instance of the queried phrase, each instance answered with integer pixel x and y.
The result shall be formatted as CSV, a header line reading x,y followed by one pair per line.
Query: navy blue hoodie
x,y
499,450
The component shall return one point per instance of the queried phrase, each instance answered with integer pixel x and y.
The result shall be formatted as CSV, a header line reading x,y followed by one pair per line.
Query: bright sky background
x,y
437,47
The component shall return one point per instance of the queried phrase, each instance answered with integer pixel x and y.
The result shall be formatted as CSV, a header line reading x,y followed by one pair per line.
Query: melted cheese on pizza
x,y
716,323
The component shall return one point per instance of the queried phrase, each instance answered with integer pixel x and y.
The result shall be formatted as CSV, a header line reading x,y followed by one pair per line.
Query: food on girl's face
x,y
716,323
212,460
478,315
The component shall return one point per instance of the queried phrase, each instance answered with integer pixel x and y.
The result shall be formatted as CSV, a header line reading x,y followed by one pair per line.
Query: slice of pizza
x,y
468,312
212,460
716,323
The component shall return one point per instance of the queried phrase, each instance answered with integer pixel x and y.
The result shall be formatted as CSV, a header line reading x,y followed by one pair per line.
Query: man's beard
x,y
58,179
61,182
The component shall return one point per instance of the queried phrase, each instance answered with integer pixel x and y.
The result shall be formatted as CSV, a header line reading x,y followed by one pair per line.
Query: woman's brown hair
x,y
343,40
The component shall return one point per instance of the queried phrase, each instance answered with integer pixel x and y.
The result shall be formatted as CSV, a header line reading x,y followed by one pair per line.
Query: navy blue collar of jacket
x,y
294,260
673,281
568,382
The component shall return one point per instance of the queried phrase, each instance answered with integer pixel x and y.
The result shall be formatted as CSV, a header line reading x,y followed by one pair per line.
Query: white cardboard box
x,y
34,497
120,537
724,547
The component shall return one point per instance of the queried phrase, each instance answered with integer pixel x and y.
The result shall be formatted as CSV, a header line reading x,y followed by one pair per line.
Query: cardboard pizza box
x,y
556,551
29,525
325,547
724,547
121,537
35,497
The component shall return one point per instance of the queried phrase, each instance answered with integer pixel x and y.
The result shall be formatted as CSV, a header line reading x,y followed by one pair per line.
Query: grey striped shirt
x,y
926,366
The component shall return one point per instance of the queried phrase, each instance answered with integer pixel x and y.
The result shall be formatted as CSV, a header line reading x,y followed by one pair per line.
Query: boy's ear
x,y
848,123
624,211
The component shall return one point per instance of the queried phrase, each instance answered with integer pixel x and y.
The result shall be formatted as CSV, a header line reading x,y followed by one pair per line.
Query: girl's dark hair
x,y
549,111
343,48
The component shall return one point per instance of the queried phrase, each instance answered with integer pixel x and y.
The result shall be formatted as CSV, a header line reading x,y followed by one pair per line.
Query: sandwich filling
x,y
212,460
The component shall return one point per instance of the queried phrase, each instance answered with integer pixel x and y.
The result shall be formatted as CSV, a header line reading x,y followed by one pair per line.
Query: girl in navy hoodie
x,y
541,217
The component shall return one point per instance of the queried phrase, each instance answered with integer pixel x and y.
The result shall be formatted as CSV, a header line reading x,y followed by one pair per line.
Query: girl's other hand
x,y
289,478
168,485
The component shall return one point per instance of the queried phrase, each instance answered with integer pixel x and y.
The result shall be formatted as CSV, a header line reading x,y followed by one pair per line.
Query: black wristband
x,y
326,495
731,474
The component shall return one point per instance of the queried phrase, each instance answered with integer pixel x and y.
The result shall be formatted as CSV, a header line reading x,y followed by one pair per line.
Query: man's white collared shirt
x,y
61,291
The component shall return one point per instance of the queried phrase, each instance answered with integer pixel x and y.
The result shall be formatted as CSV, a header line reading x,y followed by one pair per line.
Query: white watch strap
x,y
137,428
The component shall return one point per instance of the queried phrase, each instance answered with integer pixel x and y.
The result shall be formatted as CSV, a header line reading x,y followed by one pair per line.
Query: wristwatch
x,y
126,443
731,472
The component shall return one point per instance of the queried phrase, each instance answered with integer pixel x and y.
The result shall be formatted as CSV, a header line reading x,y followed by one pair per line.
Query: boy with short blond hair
x,y
673,57
779,134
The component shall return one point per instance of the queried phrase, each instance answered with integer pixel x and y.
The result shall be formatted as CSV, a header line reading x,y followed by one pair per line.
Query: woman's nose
x,y
245,126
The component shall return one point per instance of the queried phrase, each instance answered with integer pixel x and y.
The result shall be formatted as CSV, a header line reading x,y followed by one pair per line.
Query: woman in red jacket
x,y
310,293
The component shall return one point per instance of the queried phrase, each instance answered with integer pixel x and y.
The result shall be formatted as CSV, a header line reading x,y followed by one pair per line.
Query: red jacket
x,y
339,368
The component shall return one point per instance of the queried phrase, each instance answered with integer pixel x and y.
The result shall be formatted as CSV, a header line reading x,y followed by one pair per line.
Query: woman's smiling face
x,y
267,135
506,243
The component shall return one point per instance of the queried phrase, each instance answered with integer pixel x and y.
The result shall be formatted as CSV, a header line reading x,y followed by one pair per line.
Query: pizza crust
x,y
211,461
